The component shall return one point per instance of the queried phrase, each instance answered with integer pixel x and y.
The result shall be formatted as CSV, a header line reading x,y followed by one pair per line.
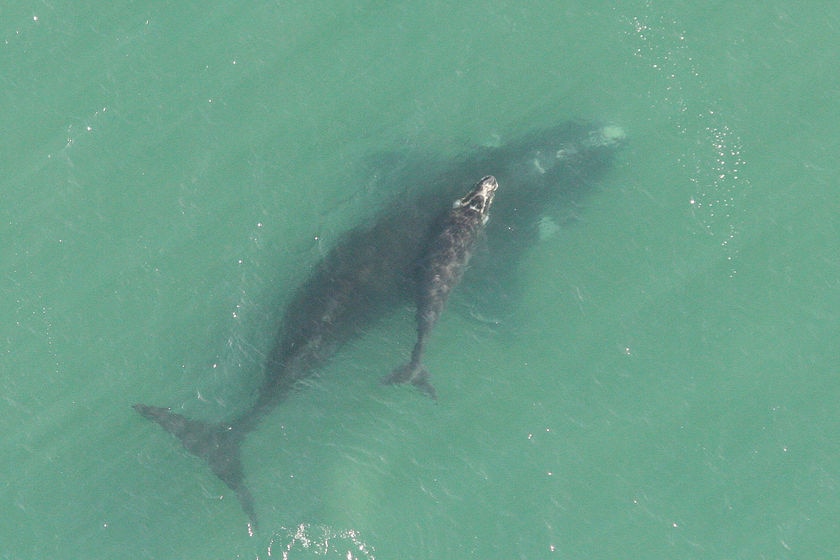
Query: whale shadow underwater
x,y
375,268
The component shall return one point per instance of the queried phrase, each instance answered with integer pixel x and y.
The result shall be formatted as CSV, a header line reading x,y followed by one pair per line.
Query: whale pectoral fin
x,y
417,375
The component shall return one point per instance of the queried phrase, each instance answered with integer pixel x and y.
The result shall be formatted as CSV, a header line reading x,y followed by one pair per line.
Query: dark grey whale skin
x,y
375,268
440,270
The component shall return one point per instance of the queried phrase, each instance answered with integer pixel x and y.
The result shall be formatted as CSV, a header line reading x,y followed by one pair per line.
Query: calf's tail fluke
x,y
218,444
414,373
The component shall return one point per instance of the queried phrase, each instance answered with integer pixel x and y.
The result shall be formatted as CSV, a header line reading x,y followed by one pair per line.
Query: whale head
x,y
480,197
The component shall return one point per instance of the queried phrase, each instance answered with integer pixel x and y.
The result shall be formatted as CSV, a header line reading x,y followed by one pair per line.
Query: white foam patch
x,y
319,541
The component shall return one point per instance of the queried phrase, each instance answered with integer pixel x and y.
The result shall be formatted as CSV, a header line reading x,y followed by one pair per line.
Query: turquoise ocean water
x,y
666,387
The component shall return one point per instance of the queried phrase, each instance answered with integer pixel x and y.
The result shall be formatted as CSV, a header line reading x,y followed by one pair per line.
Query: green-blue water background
x,y
667,387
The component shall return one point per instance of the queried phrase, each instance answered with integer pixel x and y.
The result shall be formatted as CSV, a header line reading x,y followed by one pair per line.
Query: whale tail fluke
x,y
415,374
218,444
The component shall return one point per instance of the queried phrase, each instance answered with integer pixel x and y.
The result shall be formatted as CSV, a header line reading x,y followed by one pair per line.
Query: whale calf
x,y
375,268
441,268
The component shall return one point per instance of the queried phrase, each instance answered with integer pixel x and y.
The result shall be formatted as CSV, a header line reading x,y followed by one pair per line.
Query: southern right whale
x,y
441,267
374,269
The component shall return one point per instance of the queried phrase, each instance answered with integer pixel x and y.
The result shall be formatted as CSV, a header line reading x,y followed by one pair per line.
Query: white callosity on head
x,y
606,136
481,197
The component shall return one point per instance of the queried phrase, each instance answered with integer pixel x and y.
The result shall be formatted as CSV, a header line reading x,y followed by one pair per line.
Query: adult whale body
x,y
373,269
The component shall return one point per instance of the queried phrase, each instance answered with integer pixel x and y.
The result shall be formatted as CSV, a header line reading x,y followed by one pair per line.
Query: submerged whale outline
x,y
375,268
